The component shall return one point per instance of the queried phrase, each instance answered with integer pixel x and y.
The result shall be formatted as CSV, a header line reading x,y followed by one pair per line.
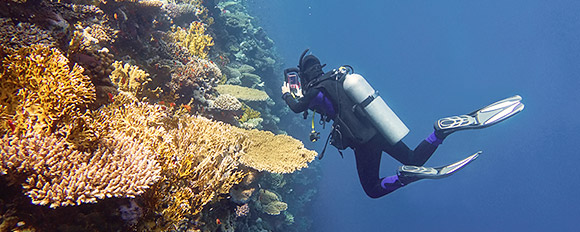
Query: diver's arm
x,y
302,104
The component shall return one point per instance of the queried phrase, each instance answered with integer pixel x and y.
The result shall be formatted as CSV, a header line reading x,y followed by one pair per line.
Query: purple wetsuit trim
x,y
391,183
322,103
433,140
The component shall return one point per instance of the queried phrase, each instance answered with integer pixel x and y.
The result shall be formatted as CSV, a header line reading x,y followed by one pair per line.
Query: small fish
x,y
162,102
110,96
217,221
115,16
172,104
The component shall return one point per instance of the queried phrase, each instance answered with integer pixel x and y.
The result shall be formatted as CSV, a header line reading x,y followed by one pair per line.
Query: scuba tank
x,y
379,113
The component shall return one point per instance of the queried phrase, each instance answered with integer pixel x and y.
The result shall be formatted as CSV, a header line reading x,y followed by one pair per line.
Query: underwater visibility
x,y
272,115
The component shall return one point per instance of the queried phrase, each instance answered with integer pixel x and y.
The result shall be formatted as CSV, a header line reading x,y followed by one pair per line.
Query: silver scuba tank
x,y
382,117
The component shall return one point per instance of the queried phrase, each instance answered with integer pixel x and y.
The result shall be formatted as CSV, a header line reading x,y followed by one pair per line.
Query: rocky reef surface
x,y
145,115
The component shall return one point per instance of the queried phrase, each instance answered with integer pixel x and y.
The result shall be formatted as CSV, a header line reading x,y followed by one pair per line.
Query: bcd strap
x,y
369,99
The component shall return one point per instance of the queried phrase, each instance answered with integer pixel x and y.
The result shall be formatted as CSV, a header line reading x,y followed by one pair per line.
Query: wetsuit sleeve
x,y
302,104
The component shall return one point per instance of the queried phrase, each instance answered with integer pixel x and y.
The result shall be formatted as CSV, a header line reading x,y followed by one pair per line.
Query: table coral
x,y
275,153
243,93
57,175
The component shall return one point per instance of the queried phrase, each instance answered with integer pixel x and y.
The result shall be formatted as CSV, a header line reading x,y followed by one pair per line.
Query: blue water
x,y
431,59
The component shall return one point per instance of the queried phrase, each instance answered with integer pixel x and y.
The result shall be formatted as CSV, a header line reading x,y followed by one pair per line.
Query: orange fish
x,y
172,104
115,16
162,102
110,96
217,221
187,107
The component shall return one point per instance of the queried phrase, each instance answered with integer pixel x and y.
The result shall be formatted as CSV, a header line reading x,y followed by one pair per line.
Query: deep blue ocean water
x,y
431,59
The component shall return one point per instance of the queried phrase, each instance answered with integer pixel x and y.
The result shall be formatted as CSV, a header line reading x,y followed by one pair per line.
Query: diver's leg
x,y
368,161
416,157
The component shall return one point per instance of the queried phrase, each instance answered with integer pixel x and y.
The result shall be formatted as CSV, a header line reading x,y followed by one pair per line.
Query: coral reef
x,y
23,34
194,80
243,93
129,78
275,153
193,173
226,102
41,93
194,38
270,203
59,176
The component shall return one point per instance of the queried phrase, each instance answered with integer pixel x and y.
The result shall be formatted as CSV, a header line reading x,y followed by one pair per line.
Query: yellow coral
x,y
129,77
194,39
243,93
59,176
249,114
269,203
275,153
200,158
40,93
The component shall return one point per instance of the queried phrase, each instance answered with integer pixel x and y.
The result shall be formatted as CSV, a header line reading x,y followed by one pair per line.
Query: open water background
x,y
431,59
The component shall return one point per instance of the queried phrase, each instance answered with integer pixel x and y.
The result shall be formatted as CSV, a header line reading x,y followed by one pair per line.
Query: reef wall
x,y
144,115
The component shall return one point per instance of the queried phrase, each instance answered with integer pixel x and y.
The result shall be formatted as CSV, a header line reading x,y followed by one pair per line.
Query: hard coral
x,y
129,78
275,153
194,39
270,203
226,102
197,74
243,93
40,93
57,175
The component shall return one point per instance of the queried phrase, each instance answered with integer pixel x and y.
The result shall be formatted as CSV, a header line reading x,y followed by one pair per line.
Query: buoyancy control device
x,y
378,112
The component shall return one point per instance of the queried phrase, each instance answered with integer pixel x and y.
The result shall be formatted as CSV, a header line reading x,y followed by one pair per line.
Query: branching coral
x,y
194,39
200,158
40,93
129,78
59,176
243,93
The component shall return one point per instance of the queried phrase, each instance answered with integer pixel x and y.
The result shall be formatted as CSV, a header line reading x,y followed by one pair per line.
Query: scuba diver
x,y
364,122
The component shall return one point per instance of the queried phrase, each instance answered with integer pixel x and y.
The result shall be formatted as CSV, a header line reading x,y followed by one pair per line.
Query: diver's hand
x,y
285,88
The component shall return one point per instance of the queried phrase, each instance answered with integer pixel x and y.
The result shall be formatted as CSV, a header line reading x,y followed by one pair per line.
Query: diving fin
x,y
408,174
481,118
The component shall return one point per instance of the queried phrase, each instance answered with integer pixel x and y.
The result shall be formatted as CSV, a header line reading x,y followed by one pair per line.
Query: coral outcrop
x,y
129,78
275,153
193,38
226,102
59,176
41,93
270,203
243,93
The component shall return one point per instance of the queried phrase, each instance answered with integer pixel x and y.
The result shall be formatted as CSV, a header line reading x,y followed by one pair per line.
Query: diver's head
x,y
310,67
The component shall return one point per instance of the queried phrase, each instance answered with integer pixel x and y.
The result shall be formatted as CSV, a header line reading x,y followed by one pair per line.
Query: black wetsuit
x,y
368,154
